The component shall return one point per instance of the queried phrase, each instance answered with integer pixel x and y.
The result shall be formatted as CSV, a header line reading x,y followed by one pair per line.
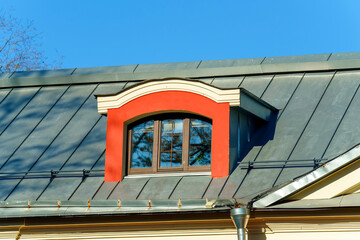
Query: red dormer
x,y
176,125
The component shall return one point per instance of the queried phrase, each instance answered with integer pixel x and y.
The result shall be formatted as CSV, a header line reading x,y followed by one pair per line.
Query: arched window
x,y
169,143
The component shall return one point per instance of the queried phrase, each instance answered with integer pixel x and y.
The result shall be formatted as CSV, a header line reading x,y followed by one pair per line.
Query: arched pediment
x,y
110,101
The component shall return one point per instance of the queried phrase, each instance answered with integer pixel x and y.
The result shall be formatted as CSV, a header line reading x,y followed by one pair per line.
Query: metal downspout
x,y
240,217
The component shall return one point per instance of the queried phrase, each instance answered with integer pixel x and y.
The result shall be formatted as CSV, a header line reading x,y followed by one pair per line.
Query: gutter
x,y
240,214
15,209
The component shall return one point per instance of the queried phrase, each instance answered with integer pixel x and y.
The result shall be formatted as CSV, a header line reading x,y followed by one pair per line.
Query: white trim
x,y
180,174
308,179
232,96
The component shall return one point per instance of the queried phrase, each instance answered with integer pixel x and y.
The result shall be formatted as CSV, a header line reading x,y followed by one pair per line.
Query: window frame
x,y
155,168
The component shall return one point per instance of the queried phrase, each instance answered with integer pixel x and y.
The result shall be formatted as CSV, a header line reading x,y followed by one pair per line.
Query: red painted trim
x,y
161,102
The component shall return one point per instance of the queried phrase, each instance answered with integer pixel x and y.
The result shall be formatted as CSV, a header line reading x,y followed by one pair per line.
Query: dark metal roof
x,y
198,69
49,121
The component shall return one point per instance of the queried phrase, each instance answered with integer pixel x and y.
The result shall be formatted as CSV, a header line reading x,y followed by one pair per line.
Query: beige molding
x,y
105,102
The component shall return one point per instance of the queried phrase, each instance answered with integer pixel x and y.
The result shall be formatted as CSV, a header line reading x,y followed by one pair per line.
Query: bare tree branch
x,y
19,46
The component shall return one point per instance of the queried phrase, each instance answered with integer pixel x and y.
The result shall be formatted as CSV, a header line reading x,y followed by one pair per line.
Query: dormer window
x,y
175,138
169,143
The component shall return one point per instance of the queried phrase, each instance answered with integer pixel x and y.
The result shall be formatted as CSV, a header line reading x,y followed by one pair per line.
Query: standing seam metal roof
x,y
49,121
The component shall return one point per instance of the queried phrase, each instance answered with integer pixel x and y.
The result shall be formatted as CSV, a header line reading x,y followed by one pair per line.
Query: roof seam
x,y
138,195
32,130
62,129
73,71
82,140
207,188
46,187
96,192
6,96
113,189
306,125
262,60
292,95
329,57
171,193
137,65
267,86
222,188
81,182
102,154
47,147
343,116
247,173
11,74
51,180
241,82
32,97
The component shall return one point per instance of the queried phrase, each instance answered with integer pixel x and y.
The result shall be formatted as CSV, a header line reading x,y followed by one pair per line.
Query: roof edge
x,y
221,68
279,193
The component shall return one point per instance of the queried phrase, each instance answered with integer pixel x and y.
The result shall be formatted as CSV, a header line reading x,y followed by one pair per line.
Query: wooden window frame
x,y
157,145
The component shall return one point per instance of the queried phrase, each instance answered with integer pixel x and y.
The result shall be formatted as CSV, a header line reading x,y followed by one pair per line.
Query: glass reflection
x,y
200,143
142,145
171,143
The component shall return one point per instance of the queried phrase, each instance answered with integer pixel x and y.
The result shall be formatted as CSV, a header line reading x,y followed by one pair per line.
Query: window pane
x,y
171,143
142,145
200,143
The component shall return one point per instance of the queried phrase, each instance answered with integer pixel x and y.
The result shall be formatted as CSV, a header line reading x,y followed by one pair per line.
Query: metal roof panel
x,y
90,149
108,88
27,120
4,93
105,190
103,74
5,75
227,82
18,79
344,56
128,189
348,132
48,129
215,186
256,84
87,188
100,164
288,129
13,104
159,188
296,59
61,188
330,111
6,186
68,140
28,189
230,63
198,187
158,67
281,89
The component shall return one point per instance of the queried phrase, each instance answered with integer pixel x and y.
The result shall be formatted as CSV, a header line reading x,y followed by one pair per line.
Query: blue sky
x,y
108,33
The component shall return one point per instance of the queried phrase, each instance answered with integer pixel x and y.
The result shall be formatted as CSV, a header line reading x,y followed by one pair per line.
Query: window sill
x,y
181,174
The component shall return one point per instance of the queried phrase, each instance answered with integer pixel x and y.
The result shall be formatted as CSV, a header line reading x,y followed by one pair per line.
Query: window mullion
x,y
129,149
156,145
185,144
